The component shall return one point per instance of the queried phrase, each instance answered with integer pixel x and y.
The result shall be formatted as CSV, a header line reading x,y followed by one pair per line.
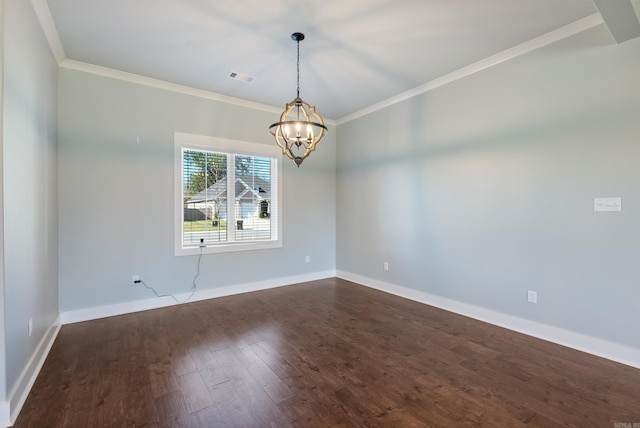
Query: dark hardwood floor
x,y
320,354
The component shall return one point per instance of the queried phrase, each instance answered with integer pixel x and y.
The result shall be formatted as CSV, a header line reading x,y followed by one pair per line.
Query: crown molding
x,y
46,21
521,49
621,18
169,86
161,84
43,13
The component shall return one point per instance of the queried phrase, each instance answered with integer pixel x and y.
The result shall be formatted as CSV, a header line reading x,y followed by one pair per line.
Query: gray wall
x,y
116,196
483,189
29,186
3,365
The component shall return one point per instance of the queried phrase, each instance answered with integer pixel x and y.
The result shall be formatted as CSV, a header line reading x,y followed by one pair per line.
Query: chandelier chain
x,y
306,125
298,69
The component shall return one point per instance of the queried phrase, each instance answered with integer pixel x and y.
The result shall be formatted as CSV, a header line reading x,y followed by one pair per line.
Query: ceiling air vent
x,y
241,76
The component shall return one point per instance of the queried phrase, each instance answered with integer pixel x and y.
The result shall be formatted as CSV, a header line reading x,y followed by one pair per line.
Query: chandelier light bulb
x,y
299,114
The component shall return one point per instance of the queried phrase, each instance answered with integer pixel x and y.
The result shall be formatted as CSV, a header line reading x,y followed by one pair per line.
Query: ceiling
x,y
356,53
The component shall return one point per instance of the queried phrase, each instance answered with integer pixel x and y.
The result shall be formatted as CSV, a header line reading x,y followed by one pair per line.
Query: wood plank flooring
x,y
320,354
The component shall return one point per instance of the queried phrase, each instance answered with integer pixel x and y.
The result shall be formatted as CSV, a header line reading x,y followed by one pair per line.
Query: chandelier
x,y
300,127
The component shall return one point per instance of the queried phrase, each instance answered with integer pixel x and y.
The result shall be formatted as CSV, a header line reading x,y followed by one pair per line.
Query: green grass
x,y
203,225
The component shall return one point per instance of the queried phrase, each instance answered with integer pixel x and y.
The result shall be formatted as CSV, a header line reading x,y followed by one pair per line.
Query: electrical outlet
x,y
385,266
30,326
307,259
135,280
532,296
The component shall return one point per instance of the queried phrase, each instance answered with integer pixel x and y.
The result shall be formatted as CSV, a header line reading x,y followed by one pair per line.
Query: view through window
x,y
227,198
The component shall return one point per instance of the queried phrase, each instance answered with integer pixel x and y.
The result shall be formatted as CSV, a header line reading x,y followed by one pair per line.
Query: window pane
x,y
253,198
227,195
205,197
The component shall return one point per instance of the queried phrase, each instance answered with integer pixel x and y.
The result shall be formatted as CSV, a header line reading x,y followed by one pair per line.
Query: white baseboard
x,y
79,315
5,414
602,348
10,409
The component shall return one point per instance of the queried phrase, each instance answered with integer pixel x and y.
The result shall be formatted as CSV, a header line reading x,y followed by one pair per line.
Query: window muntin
x,y
228,195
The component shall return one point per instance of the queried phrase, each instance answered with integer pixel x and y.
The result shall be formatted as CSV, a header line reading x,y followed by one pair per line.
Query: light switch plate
x,y
607,204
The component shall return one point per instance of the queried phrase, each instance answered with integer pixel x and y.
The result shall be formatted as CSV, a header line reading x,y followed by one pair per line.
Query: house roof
x,y
247,187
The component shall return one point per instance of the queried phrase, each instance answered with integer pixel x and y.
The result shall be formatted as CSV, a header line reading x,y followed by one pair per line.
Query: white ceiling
x,y
356,53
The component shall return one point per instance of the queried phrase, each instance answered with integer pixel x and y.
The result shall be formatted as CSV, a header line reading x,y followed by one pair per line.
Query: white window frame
x,y
234,147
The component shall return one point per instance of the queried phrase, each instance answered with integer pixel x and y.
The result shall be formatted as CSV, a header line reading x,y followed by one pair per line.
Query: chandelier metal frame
x,y
300,127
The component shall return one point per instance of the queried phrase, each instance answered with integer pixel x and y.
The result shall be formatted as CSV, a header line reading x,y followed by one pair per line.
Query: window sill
x,y
226,248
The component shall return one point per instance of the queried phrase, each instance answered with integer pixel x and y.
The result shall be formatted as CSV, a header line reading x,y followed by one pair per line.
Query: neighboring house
x,y
252,195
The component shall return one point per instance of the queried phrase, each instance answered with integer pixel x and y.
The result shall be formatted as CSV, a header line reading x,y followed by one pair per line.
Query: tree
x,y
203,170
244,164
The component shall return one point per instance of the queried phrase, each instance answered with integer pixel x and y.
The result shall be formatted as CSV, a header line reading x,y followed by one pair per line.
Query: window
x,y
227,195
